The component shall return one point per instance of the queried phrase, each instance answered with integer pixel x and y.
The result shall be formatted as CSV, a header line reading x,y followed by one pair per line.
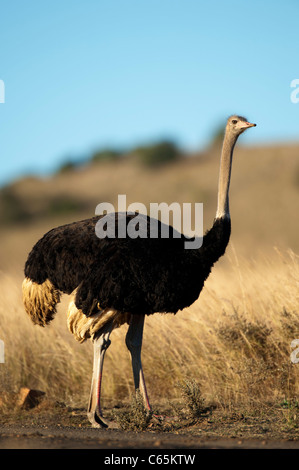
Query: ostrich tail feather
x,y
40,301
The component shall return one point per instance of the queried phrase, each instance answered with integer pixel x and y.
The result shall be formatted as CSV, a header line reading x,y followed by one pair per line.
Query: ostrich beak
x,y
249,124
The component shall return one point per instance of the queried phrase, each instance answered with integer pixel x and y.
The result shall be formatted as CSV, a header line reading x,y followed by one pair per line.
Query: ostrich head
x,y
237,124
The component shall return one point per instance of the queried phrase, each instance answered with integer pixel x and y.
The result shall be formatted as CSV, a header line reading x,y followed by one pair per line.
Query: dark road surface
x,y
64,437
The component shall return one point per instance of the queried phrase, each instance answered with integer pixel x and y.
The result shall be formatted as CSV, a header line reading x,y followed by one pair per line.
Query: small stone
x,y
29,398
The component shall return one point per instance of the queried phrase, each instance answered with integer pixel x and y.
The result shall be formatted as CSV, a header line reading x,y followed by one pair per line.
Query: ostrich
x,y
120,280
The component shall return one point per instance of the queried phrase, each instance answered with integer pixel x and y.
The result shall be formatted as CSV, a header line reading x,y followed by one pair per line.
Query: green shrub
x,y
67,166
105,155
157,154
62,205
12,207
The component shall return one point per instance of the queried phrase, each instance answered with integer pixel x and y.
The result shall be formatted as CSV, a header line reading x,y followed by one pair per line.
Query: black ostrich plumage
x,y
134,275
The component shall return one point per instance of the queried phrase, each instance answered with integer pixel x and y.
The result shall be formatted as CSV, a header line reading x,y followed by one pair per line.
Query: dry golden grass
x,y
234,341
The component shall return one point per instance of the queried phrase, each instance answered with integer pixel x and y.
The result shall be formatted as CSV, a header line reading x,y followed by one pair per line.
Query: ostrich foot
x,y
97,421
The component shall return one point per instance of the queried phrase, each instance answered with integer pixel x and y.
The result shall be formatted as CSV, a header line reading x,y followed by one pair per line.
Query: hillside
x,y
264,197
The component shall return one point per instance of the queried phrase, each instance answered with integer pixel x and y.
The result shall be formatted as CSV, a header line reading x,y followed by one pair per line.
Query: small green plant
x,y
193,400
136,418
292,412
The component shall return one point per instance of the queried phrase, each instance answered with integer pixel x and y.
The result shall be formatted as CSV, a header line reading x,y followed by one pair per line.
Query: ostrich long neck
x,y
224,175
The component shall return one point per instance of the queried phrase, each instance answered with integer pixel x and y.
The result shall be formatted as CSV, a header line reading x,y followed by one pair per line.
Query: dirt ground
x,y
61,427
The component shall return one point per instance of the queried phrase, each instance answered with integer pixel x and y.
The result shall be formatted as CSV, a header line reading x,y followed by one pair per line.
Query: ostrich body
x,y
120,280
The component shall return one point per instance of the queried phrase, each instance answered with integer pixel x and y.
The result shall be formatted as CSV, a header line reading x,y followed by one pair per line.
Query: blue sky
x,y
81,75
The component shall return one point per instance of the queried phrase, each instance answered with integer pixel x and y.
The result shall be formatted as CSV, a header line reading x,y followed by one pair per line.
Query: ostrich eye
x,y
234,121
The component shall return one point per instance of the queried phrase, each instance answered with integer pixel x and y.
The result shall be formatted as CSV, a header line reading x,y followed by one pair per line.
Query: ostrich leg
x,y
134,344
100,345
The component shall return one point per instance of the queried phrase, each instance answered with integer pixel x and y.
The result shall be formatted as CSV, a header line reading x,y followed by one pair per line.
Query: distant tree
x,y
67,166
62,204
157,154
217,137
12,207
105,155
